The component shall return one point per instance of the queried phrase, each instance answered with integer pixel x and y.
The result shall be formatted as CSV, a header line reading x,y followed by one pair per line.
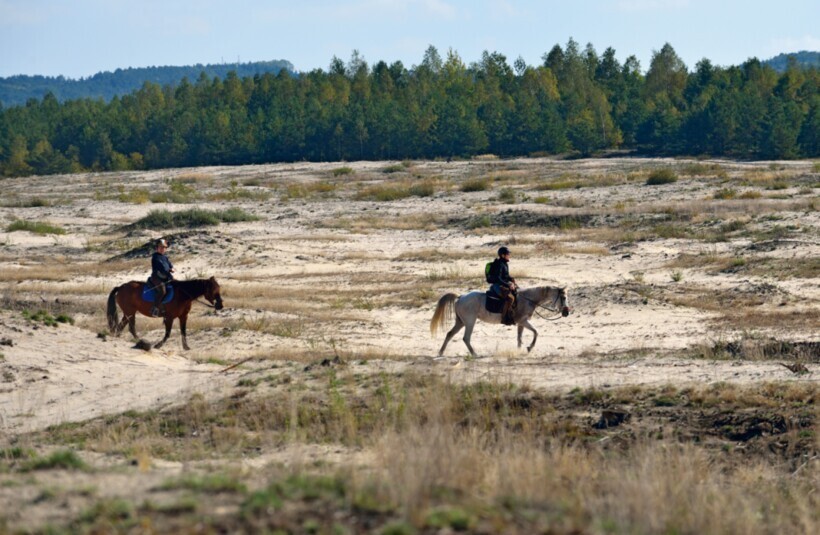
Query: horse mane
x,y
542,292
192,287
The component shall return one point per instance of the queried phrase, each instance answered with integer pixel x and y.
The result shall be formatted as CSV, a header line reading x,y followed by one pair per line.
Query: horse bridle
x,y
198,300
551,307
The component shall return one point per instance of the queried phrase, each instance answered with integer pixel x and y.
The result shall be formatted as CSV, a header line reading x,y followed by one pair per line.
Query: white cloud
x,y
794,44
651,5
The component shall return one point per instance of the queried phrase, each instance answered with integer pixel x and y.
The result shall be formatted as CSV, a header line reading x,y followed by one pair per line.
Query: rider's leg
x,y
159,295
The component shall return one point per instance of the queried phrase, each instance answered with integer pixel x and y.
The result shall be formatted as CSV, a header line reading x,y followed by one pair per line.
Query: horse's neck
x,y
193,288
541,294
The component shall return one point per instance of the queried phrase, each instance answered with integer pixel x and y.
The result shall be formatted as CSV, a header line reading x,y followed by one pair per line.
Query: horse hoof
x,y
186,348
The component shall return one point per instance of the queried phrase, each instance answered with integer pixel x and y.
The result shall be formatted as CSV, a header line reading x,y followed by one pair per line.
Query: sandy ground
x,y
322,275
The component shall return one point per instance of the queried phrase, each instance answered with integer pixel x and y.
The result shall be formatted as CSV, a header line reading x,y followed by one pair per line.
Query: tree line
x,y
17,90
576,101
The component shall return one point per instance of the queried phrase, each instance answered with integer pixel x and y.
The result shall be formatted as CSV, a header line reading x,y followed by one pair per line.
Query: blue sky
x,y
78,38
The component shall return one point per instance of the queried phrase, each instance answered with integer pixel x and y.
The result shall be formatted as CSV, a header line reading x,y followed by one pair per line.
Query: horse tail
x,y
444,311
113,317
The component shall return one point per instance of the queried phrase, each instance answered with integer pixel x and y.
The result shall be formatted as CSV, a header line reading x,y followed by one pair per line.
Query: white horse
x,y
470,307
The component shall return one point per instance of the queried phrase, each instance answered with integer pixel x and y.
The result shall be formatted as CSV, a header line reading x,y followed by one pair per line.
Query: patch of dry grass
x,y
63,270
369,223
440,455
310,190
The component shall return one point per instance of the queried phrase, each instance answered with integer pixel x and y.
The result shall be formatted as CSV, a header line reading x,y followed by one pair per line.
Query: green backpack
x,y
488,272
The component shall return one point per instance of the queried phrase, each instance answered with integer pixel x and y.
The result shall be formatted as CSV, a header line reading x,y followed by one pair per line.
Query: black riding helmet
x,y
503,251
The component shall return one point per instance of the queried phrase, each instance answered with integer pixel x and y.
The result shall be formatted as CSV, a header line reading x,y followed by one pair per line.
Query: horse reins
x,y
539,305
196,299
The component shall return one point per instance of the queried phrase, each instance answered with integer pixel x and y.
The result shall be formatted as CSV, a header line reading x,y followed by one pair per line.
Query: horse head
x,y
563,301
212,293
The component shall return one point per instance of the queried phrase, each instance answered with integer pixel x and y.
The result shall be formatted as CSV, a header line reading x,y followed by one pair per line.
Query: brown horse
x,y
129,298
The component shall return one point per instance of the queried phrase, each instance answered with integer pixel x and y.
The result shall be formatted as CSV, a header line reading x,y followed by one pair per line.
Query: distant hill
x,y
16,90
804,58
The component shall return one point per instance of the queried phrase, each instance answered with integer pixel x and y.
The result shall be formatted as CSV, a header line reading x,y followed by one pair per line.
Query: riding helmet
x,y
503,251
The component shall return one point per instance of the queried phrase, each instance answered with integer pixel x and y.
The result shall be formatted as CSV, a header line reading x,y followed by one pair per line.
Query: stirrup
x,y
155,312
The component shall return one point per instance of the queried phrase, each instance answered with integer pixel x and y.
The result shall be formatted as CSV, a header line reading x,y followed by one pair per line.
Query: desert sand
x,y
331,272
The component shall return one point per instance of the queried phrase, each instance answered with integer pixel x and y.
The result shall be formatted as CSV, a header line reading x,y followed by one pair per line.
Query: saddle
x,y
148,292
494,303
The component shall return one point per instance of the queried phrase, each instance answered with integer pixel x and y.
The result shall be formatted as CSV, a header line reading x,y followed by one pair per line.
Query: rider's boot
x,y
507,313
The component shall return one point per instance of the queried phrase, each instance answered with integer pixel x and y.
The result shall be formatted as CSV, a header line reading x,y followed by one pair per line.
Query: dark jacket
x,y
161,267
500,272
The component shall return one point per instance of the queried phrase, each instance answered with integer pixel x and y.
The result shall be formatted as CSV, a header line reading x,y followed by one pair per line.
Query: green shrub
x,y
661,176
422,189
37,227
561,184
64,318
475,184
62,459
195,217
702,169
450,517
383,193
108,511
507,195
483,221
209,483
16,452
34,202
235,215
777,186
725,193
135,196
309,189
41,316
396,168
339,171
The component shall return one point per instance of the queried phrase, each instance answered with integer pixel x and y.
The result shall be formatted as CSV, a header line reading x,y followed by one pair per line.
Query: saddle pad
x,y
493,304
148,293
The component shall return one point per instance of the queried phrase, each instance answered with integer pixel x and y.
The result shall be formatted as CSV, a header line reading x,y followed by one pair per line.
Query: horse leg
x,y
132,325
120,326
457,327
169,321
468,333
183,320
529,326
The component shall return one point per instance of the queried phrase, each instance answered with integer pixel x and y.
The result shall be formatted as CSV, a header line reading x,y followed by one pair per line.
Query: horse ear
x,y
212,279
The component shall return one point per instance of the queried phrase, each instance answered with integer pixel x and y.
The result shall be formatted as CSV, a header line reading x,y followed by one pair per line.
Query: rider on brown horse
x,y
503,285
162,272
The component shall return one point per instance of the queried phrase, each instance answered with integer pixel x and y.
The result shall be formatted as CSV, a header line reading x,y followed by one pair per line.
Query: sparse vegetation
x,y
41,316
661,176
333,418
195,217
475,184
396,191
450,456
36,227
341,171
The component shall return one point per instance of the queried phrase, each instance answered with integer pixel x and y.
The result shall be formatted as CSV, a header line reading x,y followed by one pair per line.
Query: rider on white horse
x,y
503,285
